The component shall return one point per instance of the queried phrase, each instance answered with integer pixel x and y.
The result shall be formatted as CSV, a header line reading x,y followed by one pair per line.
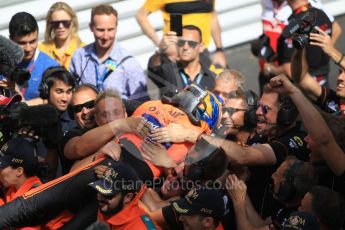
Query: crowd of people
x,y
84,147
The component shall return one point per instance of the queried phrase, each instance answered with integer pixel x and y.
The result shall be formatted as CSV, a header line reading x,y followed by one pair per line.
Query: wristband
x,y
219,49
340,60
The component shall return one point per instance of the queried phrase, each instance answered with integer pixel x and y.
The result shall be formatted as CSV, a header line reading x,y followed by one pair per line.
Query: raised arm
x,y
300,75
246,217
314,124
146,27
324,41
216,32
336,32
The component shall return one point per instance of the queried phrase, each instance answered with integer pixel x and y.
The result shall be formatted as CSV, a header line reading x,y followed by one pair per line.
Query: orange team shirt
x,y
13,193
131,217
166,114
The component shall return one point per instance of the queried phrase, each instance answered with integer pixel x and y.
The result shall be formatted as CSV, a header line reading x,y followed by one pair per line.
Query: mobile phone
x,y
176,23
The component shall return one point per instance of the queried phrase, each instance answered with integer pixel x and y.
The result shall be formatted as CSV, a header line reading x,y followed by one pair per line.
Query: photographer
x,y
328,100
302,21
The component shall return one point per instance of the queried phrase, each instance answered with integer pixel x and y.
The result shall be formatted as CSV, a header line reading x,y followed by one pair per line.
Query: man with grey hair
x,y
228,81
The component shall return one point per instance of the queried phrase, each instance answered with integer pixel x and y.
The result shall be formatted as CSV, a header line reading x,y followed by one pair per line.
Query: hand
x,y
237,189
157,154
99,170
323,40
136,125
112,149
282,85
169,39
29,132
172,133
242,172
7,84
220,59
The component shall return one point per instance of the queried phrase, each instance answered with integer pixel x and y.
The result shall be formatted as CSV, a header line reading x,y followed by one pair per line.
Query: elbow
x,y
74,152
239,159
79,151
139,16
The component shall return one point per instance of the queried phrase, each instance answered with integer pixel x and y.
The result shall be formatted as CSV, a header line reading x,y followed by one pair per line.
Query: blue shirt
x,y
37,67
127,77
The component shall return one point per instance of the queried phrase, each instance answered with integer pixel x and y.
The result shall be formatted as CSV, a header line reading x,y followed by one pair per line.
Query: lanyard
x,y
110,66
186,79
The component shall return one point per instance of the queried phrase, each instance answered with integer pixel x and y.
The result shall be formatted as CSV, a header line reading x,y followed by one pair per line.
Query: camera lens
x,y
300,41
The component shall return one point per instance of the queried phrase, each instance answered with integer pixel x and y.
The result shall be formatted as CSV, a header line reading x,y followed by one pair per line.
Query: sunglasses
x,y
191,44
264,108
65,23
231,110
79,108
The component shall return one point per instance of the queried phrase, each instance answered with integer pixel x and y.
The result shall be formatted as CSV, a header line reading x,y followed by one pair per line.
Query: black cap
x,y
18,151
301,221
117,178
203,201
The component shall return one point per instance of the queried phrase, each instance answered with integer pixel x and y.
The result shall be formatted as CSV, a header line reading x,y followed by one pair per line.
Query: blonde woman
x,y
61,38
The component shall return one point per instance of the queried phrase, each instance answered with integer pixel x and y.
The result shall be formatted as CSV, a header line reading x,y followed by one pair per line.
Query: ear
x,y
91,27
201,47
19,171
128,198
208,222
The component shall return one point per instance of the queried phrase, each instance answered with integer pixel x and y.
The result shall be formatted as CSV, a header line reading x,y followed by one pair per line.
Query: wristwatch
x,y
219,49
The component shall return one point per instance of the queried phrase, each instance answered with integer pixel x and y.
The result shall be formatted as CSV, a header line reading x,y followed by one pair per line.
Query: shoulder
x,y
45,46
119,53
153,5
329,101
81,51
290,143
45,59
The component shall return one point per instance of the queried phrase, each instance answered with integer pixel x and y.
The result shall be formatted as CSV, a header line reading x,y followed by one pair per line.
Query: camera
x,y
304,27
15,74
261,48
43,119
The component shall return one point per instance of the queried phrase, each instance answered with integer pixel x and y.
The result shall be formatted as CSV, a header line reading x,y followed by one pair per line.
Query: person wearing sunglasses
x,y
199,13
23,30
178,63
61,38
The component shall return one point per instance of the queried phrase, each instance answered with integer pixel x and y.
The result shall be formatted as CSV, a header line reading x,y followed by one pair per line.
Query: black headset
x,y
48,76
287,113
250,119
289,187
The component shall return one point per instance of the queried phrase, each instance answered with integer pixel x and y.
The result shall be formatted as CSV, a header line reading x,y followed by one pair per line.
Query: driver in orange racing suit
x,y
197,107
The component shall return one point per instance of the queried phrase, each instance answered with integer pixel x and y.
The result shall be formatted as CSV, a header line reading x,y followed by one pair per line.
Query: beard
x,y
114,211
